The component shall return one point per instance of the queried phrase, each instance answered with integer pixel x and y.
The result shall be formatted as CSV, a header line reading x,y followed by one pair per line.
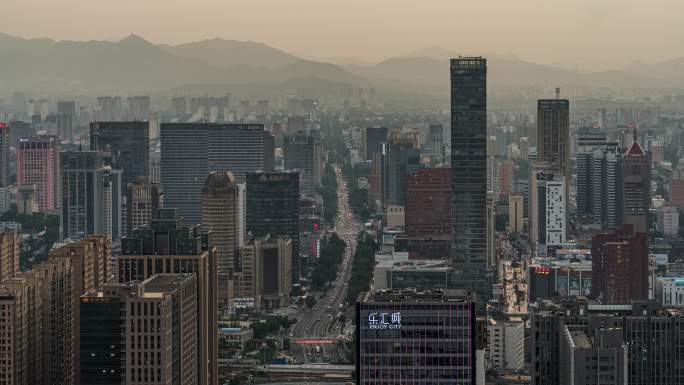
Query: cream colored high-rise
x,y
220,208
10,247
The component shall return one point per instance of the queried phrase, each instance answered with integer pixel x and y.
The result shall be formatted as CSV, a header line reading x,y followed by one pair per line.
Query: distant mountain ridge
x,y
135,64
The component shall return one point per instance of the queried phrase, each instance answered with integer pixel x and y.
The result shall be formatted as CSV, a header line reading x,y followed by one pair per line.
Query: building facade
x,y
143,199
38,164
428,203
303,152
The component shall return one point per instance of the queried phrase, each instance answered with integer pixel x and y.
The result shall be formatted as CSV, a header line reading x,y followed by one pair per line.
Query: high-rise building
x,y
191,150
139,107
668,220
273,208
4,154
128,143
10,248
220,201
66,120
428,203
402,157
553,133
599,191
491,232
506,342
168,246
38,164
636,187
515,213
620,266
303,152
469,173
581,349
373,138
115,331
91,195
438,326
19,129
143,200
91,261
548,220
179,106
267,272
110,108
436,140
677,187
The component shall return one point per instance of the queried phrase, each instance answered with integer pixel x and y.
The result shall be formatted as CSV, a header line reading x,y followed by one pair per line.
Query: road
x,y
320,322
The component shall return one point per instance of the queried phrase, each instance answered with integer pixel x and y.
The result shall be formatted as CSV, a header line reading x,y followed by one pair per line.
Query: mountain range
x,y
134,64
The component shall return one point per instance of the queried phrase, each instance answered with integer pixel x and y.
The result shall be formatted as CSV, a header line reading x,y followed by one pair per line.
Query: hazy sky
x,y
595,33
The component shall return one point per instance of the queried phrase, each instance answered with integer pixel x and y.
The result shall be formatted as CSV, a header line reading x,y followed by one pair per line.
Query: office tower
x,y
19,129
273,208
677,187
143,200
110,108
620,266
469,173
548,204
436,140
139,107
38,164
582,348
438,326
121,312
373,138
128,143
155,166
402,157
428,203
506,342
515,212
376,192
179,106
91,195
657,152
668,220
10,248
506,175
220,201
553,133
267,272
66,120
303,152
4,154
90,258
191,150
169,246
636,191
491,232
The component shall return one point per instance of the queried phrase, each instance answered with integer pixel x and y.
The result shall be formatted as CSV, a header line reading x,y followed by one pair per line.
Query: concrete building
x,y
169,246
668,220
620,266
66,120
402,157
273,208
10,249
161,309
553,133
677,187
395,217
143,199
90,196
220,216
191,150
4,154
38,164
373,138
548,220
669,291
506,344
266,274
516,210
599,181
139,107
303,152
599,357
438,325
469,172
428,203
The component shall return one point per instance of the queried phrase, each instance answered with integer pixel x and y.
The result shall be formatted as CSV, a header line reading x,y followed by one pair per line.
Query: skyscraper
x,y
220,201
636,183
553,133
302,152
139,107
38,164
91,195
4,154
66,120
267,276
143,200
128,144
168,246
402,157
469,172
10,248
436,141
191,150
428,203
373,138
273,208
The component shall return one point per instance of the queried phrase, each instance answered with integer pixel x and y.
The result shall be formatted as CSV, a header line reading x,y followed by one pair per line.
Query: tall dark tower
x,y
469,173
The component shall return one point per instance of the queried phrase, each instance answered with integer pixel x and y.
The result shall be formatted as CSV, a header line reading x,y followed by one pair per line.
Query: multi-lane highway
x,y
321,322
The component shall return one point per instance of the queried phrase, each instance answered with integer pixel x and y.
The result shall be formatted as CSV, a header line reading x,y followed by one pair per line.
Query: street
x,y
320,324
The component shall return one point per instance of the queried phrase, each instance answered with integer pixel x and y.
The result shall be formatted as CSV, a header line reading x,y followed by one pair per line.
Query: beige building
x,y
516,212
220,201
266,272
10,247
143,198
